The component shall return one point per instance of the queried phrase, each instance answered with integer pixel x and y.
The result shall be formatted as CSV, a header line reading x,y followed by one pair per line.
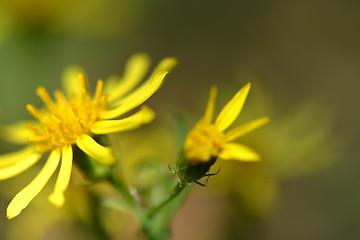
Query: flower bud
x,y
191,171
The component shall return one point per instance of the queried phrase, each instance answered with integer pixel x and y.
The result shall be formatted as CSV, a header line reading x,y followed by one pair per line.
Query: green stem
x,y
96,222
128,197
177,190
146,220
135,205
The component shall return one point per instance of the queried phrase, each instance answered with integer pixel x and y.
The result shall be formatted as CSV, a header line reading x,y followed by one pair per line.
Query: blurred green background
x,y
302,57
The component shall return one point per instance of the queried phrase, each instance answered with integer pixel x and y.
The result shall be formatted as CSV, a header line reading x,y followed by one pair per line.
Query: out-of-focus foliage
x,y
91,18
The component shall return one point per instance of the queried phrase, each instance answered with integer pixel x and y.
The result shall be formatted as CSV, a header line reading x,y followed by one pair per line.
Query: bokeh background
x,y
303,59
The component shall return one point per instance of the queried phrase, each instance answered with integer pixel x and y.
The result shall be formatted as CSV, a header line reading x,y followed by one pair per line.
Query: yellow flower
x,y
208,140
73,120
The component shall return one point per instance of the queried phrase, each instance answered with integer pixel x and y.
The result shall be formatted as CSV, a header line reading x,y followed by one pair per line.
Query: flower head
x,y
74,119
208,140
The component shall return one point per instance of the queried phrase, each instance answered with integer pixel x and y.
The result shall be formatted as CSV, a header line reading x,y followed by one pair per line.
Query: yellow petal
x,y
14,157
135,71
24,197
45,97
18,162
71,81
103,155
17,133
235,151
137,97
232,109
145,115
57,197
209,112
165,65
245,128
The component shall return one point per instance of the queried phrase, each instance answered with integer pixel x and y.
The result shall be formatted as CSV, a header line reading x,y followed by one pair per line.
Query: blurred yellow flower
x,y
74,119
304,145
207,140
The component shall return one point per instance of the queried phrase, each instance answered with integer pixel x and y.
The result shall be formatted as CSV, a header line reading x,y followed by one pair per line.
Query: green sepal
x,y
188,171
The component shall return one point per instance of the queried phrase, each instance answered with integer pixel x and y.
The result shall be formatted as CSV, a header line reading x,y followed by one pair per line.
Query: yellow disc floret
x,y
63,120
203,142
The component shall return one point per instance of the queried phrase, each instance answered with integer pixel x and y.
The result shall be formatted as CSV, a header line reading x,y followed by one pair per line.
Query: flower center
x,y
204,142
63,121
